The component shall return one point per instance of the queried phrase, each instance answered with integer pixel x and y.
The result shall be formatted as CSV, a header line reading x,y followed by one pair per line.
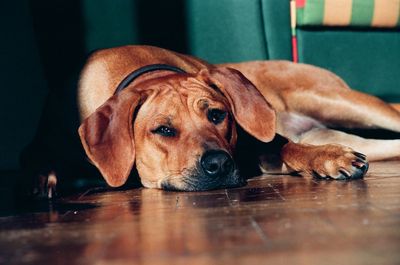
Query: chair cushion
x,y
359,13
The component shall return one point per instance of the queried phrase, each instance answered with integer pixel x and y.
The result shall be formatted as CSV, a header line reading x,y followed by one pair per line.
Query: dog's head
x,y
178,130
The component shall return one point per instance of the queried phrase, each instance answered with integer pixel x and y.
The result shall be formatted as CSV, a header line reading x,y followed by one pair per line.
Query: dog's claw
x,y
358,163
316,175
345,174
360,155
360,172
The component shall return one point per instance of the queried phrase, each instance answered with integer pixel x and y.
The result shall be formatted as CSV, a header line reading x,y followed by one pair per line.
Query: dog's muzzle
x,y
215,170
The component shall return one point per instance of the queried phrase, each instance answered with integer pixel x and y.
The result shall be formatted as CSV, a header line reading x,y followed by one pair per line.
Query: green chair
x,y
367,58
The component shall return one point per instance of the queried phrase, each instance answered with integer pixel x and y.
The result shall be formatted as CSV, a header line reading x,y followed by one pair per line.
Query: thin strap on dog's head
x,y
143,70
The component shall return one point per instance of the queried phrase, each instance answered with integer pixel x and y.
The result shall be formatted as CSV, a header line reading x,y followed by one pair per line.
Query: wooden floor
x,y
273,220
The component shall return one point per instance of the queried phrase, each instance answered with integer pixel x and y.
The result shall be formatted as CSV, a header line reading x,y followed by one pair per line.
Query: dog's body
x,y
179,130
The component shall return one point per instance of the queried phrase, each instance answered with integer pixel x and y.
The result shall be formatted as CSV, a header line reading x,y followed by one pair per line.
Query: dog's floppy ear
x,y
107,136
251,110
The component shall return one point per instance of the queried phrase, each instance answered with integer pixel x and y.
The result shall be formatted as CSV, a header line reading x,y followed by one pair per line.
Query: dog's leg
x,y
315,150
320,95
373,148
344,108
323,161
396,107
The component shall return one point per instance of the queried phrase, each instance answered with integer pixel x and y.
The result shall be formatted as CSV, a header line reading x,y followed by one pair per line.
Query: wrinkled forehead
x,y
181,93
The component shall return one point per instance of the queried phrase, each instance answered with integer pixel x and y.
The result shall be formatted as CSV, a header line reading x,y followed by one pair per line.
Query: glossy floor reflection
x,y
273,220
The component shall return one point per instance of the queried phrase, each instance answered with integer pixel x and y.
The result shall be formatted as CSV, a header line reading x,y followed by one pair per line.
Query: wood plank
x,y
274,219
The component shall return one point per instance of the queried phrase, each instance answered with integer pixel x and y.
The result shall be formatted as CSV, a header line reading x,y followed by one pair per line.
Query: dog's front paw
x,y
338,162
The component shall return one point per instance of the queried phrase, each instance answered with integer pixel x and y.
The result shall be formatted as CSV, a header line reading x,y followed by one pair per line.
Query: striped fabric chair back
x,y
358,13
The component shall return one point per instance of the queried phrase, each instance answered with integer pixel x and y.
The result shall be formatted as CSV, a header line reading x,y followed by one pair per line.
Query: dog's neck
x,y
144,70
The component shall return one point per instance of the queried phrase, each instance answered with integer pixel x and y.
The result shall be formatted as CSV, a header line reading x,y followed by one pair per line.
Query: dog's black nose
x,y
217,163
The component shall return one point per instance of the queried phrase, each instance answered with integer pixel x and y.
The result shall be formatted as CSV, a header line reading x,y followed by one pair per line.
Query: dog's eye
x,y
216,116
165,131
214,86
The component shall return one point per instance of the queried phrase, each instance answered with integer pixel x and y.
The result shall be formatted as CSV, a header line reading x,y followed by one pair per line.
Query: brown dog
x,y
179,126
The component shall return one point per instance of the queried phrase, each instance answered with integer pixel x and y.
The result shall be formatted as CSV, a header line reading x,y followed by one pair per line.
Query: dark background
x,y
44,42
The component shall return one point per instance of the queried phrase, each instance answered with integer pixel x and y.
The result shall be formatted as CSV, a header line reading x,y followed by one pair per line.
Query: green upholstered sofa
x,y
237,30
